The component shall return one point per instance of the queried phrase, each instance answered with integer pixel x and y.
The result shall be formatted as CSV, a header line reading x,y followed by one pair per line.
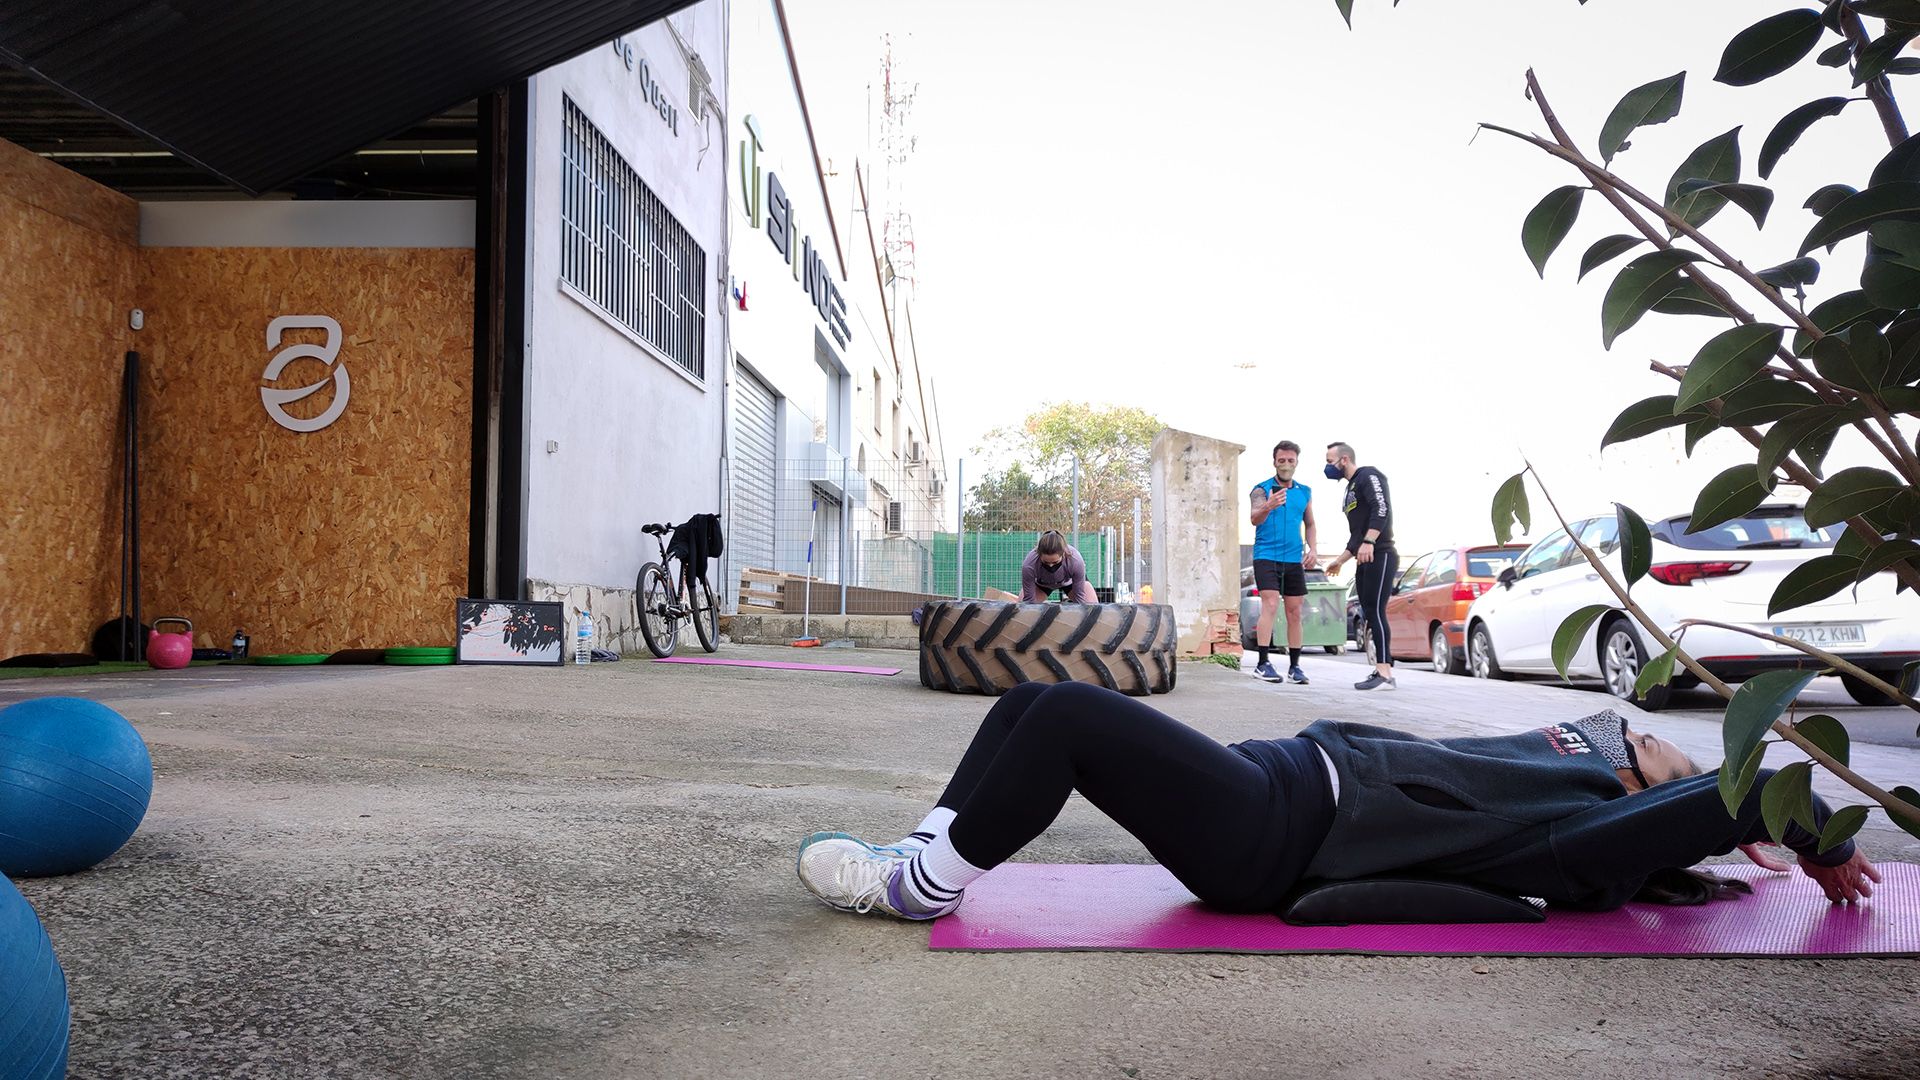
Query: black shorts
x,y
1285,578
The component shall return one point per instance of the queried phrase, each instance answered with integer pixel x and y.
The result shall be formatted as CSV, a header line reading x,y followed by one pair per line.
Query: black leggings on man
x,y
1373,584
1236,830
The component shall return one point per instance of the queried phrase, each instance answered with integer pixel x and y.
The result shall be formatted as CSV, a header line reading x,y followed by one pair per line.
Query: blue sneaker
x,y
1295,675
1265,671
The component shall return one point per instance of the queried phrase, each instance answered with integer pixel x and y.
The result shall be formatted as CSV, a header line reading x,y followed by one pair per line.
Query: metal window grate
x,y
622,249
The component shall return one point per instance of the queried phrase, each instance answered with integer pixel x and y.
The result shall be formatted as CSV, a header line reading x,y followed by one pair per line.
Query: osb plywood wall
x,y
68,273
353,536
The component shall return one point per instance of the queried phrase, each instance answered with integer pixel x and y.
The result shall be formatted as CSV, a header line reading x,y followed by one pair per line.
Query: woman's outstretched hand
x,y
1765,861
1845,883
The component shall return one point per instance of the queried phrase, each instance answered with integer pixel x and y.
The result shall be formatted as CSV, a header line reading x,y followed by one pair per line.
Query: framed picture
x,y
508,631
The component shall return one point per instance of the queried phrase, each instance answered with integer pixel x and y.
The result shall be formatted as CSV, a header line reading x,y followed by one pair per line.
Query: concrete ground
x,y
484,872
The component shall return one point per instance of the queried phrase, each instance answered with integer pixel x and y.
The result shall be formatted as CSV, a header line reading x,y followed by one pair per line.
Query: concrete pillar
x,y
1196,530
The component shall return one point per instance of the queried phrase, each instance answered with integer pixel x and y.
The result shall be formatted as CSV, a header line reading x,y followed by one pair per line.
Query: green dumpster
x,y
1324,622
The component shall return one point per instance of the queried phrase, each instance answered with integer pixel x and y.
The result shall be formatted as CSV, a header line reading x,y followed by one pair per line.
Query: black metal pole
x,y
133,490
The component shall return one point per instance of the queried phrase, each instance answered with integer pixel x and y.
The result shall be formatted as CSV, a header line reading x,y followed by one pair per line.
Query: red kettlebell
x,y
169,650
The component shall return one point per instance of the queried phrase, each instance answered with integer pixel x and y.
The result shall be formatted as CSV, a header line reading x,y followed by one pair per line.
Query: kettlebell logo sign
x,y
327,354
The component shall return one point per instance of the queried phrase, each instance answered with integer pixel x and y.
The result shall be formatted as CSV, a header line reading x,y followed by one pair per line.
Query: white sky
x,y
1116,204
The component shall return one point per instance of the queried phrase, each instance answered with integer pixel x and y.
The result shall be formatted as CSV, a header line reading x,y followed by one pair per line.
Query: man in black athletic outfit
x,y
1369,543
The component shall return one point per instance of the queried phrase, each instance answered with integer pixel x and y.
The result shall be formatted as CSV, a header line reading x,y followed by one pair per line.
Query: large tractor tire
x,y
990,647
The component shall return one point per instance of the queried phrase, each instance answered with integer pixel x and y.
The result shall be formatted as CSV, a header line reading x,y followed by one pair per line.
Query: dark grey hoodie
x,y
1538,814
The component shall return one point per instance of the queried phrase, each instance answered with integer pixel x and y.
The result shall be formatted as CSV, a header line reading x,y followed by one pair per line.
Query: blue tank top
x,y
1279,537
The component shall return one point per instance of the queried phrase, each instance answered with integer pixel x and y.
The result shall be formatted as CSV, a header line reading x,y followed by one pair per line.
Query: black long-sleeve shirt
x,y
1536,814
1368,507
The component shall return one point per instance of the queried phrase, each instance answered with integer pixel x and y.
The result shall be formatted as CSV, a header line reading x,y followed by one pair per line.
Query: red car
x,y
1427,613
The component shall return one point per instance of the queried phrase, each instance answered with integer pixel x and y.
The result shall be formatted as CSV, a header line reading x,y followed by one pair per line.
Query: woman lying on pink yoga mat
x,y
1585,814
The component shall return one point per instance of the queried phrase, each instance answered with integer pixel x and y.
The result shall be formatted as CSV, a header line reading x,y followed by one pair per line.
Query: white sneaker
x,y
850,876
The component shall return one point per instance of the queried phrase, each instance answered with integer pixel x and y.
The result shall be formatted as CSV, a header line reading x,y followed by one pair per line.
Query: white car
x,y
1726,573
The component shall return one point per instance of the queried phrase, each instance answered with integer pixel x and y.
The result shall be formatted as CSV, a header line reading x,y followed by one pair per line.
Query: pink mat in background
x,y
777,664
1049,906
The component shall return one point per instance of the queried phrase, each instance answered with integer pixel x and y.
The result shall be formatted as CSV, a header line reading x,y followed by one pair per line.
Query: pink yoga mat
x,y
777,665
1141,907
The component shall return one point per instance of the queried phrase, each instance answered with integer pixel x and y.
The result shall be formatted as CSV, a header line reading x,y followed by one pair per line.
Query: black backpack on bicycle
x,y
697,541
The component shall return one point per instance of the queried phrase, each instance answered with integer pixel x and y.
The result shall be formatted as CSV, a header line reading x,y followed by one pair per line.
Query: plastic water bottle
x,y
583,640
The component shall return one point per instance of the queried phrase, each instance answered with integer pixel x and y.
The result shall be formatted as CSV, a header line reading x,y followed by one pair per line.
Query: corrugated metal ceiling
x,y
262,92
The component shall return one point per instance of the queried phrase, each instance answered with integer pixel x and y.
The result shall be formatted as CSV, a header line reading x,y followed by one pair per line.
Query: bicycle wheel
x,y
659,611
705,613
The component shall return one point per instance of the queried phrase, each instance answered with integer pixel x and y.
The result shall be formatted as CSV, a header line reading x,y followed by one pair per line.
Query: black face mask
x,y
1334,472
1633,758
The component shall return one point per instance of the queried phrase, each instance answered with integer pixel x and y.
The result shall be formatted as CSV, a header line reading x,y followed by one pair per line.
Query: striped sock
x,y
933,880
931,828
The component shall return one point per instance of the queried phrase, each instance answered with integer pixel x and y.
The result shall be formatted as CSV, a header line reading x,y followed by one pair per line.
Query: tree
x,y
1850,364
1012,500
1113,446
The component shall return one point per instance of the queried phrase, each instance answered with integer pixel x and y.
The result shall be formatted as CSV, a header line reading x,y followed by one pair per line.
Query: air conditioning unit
x,y
936,487
914,455
896,515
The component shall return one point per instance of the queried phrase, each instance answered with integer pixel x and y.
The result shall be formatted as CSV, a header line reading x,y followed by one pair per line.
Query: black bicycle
x,y
669,594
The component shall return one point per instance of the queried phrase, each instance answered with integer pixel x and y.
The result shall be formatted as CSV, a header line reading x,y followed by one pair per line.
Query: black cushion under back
x,y
1402,898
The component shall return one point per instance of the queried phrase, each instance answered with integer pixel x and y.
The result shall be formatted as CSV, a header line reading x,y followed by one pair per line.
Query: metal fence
x,y
834,535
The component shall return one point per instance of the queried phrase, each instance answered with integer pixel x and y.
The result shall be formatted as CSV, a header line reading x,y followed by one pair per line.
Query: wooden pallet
x,y
762,592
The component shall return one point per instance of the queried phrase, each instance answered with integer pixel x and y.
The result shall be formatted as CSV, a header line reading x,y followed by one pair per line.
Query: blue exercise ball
x,y
74,783
34,1014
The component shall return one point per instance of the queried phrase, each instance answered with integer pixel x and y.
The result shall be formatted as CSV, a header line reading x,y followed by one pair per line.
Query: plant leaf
x,y
1900,514
1644,417
1888,278
1717,161
1756,704
1686,297
1729,495
1606,248
1912,798
1900,240
1834,56
1769,47
1654,103
1573,629
1886,556
1752,198
1791,273
1781,800
1699,429
1346,11
1826,198
1840,827
1835,357
1793,432
1658,672
1873,58
1898,201
1850,492
1765,401
1735,783
1636,543
1548,223
1826,733
1900,163
1510,504
1726,362
1635,289
1813,581
1904,337
1792,126
1836,314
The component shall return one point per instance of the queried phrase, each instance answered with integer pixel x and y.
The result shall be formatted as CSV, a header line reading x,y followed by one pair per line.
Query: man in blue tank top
x,y
1282,509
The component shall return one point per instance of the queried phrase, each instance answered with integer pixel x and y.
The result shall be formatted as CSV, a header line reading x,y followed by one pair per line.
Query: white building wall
x,y
634,438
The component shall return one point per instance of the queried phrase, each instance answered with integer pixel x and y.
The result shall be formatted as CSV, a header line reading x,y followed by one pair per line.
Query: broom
x,y
807,640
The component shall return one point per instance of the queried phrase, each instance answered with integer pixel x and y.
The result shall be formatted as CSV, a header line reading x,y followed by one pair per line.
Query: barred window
x,y
624,252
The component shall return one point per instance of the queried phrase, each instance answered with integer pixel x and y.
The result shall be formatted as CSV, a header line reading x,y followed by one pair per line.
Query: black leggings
x,y
1233,834
1373,582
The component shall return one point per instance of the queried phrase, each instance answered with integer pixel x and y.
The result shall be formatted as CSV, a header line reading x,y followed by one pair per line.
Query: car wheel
x,y
1859,690
1363,641
1621,658
1481,663
1336,650
1443,661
